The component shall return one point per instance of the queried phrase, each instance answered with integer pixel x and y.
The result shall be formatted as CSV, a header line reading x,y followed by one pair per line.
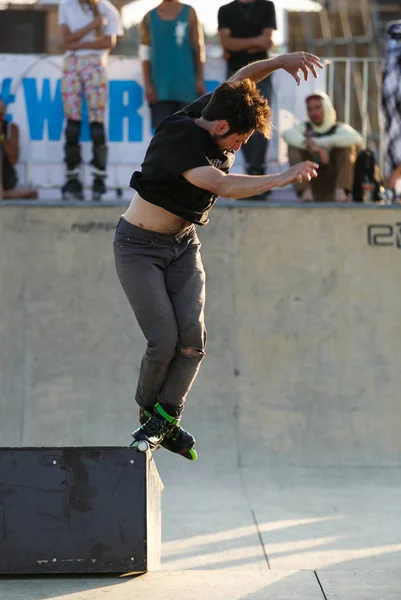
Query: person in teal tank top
x,y
172,55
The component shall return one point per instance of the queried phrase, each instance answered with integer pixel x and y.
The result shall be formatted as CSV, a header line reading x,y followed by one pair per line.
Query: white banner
x,y
31,87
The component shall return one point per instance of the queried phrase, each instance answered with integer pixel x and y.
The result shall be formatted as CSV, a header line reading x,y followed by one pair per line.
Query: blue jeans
x,y
164,280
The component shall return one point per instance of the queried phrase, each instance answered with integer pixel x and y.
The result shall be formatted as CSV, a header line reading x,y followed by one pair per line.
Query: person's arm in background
x,y
198,45
394,177
10,145
295,136
68,37
107,42
268,26
144,55
266,42
230,44
343,137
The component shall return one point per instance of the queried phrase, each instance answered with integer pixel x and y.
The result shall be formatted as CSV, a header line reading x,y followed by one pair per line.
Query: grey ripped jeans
x,y
163,278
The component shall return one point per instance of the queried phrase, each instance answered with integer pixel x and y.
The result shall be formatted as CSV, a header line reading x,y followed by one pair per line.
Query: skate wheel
x,y
191,454
142,446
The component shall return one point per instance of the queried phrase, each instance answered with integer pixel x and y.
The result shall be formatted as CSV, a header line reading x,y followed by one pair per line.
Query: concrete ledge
x,y
221,203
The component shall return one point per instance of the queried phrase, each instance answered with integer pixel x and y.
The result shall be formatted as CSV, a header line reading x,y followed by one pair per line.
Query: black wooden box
x,y
79,510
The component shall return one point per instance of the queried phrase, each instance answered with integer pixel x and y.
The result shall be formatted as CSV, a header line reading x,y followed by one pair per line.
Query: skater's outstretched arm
x,y
292,63
244,186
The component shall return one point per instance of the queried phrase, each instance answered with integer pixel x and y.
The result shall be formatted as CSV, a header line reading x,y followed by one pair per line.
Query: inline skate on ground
x,y
73,188
98,185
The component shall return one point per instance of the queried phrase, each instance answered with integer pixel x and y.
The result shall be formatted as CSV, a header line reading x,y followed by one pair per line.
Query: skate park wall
x,y
303,315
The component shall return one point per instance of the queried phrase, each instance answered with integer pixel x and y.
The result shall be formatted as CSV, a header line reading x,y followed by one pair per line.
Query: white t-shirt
x,y
76,16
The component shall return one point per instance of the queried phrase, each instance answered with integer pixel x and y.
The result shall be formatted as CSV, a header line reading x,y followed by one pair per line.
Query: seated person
x,y
328,142
9,153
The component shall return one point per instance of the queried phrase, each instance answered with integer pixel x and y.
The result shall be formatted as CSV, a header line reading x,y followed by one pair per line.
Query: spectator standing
x,y
245,32
391,103
88,31
172,52
329,143
9,155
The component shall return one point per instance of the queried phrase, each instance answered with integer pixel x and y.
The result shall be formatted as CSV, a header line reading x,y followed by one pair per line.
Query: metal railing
x,y
354,86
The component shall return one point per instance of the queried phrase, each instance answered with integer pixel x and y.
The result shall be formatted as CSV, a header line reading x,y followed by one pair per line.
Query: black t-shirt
x,y
246,20
177,146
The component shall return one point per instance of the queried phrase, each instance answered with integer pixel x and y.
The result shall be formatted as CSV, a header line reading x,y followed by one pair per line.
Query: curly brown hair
x,y
241,105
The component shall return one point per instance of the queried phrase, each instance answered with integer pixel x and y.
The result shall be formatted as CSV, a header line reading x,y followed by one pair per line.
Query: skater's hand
x,y
303,61
304,171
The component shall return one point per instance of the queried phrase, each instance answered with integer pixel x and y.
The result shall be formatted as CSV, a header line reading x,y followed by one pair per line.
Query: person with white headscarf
x,y
328,142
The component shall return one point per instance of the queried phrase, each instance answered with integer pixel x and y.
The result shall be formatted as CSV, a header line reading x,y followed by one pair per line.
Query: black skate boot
x,y
177,440
73,188
98,186
152,433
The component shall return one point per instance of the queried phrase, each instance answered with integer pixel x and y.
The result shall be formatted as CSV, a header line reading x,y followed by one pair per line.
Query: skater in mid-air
x,y
157,251
88,31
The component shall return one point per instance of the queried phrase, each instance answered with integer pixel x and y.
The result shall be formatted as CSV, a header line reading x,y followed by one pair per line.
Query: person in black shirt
x,y
186,167
245,33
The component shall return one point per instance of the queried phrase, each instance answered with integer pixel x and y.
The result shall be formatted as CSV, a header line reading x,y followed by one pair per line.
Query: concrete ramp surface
x,y
296,492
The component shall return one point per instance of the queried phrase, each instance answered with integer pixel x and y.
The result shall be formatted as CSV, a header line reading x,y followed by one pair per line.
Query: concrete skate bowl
x,y
295,408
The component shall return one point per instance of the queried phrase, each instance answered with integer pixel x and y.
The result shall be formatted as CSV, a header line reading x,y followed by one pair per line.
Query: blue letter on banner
x,y
43,109
119,110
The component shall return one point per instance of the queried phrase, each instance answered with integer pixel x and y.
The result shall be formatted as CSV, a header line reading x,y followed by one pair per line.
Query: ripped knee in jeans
x,y
190,352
